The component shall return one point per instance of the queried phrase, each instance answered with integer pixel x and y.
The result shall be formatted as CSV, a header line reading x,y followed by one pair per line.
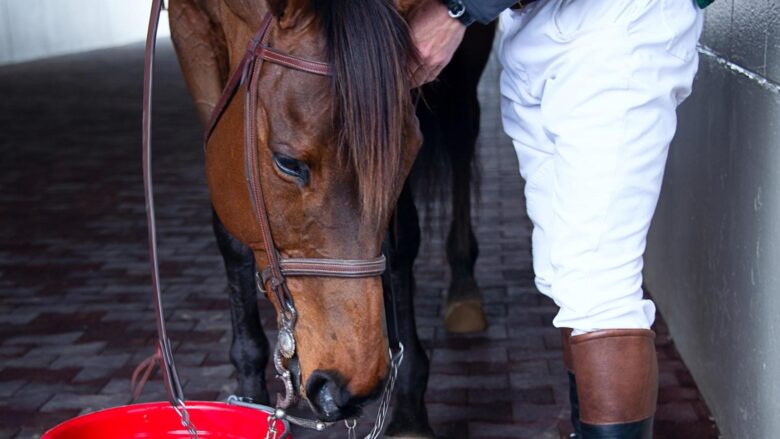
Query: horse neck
x,y
250,12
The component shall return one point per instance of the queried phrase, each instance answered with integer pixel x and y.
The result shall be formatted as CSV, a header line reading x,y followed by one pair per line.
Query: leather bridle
x,y
247,74
273,277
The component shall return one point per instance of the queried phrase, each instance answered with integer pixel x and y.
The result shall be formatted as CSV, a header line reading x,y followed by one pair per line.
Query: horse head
x,y
331,153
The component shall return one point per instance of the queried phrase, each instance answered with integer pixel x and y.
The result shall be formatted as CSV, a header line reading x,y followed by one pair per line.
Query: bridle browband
x,y
273,277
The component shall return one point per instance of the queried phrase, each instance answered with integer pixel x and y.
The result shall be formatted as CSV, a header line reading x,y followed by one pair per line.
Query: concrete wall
x,y
713,259
31,29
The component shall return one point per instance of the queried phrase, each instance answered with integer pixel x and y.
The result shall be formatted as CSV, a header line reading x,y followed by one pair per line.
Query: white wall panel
x,y
713,254
5,33
31,29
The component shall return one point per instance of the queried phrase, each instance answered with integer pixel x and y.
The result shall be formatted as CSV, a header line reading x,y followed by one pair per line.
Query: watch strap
x,y
457,10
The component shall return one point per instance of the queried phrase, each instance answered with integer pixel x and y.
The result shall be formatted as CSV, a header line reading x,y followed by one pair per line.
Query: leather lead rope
x,y
170,375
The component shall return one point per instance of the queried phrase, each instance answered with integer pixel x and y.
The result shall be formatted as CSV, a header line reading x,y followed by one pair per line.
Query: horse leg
x,y
409,417
459,122
463,307
249,348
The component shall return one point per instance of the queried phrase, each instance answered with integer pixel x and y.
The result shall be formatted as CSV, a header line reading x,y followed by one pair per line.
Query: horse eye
x,y
291,167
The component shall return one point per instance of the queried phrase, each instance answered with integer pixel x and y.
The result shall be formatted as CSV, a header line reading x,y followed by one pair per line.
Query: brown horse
x,y
333,156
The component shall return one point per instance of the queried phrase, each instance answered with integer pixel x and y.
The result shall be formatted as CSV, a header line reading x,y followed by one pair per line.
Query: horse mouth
x,y
294,366
327,395
331,401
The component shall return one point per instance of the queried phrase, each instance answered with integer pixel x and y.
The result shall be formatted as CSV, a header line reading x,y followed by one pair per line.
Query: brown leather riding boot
x,y
617,383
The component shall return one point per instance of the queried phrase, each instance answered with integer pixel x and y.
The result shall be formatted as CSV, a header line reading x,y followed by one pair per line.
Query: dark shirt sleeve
x,y
485,11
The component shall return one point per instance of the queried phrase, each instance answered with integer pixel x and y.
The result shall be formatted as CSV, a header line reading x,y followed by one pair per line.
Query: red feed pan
x,y
213,420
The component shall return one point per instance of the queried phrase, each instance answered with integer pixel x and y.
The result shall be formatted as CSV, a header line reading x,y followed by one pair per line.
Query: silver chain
x,y
351,424
387,395
184,416
272,432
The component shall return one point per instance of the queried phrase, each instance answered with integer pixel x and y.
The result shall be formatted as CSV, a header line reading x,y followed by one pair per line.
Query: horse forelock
x,y
369,47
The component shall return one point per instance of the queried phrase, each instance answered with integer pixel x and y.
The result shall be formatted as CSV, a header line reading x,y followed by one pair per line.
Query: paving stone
x,y
93,373
70,349
9,432
7,388
671,394
16,318
101,360
51,339
26,360
475,412
38,374
27,401
484,430
117,385
531,412
677,411
83,403
536,395
12,351
30,426
532,367
495,354
468,382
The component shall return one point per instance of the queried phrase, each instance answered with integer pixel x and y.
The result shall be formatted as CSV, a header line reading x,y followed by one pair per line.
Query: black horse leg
x,y
463,309
409,417
458,112
249,348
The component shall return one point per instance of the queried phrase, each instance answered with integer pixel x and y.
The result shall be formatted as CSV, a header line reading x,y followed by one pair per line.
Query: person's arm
x,y
483,11
436,36
438,27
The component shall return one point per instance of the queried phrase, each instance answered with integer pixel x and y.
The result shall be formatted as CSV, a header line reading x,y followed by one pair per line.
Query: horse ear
x,y
288,12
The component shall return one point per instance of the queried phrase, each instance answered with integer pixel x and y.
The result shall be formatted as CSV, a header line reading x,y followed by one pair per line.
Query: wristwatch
x,y
457,10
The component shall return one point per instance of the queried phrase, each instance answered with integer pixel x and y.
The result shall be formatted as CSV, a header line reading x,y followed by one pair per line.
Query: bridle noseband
x,y
272,279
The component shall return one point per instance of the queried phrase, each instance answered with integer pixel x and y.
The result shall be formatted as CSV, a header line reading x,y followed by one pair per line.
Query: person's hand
x,y
437,36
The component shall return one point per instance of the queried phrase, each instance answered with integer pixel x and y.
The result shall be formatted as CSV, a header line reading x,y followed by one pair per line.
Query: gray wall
x,y
713,254
31,29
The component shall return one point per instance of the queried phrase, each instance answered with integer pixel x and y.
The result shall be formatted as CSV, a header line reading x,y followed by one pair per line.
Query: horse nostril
x,y
329,398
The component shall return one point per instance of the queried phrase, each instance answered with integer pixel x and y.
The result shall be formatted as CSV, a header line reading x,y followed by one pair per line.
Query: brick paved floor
x,y
75,309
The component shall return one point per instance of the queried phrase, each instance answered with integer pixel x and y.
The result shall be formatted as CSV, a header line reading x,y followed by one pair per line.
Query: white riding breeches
x,y
589,96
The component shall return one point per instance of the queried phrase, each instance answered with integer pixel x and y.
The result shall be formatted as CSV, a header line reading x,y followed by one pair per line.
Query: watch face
x,y
456,8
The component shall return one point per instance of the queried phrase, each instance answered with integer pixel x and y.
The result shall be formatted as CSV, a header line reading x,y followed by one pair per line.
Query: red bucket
x,y
213,420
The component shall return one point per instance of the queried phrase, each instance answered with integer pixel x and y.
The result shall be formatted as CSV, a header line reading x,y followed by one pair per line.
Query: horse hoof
x,y
464,316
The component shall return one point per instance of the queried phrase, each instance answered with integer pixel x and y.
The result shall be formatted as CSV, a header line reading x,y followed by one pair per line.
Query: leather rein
x,y
273,277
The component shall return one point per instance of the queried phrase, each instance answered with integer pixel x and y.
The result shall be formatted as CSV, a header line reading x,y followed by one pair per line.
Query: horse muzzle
x,y
330,398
